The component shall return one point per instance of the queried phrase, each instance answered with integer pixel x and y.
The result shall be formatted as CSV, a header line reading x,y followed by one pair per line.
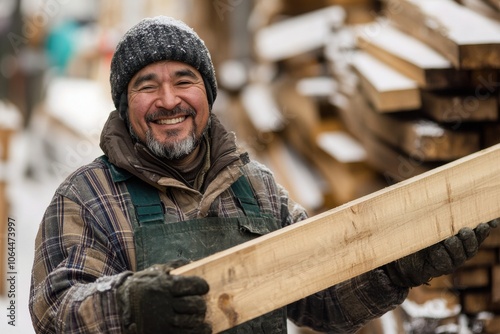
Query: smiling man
x,y
173,187
155,94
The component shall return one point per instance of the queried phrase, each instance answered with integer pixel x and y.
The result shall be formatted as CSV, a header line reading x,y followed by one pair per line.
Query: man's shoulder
x,y
95,174
256,169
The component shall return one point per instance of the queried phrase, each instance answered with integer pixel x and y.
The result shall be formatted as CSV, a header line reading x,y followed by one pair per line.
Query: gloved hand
x,y
440,259
153,301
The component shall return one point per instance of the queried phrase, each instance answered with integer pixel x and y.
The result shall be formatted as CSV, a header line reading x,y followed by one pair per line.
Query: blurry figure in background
x,y
173,187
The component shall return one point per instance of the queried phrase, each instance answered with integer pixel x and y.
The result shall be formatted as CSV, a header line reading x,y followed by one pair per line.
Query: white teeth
x,y
171,120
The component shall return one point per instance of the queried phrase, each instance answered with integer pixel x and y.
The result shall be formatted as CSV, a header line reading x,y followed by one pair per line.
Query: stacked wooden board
x,y
427,93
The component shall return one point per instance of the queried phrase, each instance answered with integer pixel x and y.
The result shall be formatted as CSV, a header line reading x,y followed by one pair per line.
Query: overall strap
x,y
149,209
245,197
145,198
146,201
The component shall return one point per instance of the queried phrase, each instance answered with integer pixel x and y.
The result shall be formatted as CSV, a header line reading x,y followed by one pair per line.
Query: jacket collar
x,y
136,159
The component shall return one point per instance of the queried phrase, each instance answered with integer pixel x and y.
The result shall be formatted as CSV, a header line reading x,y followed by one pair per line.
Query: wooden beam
x,y
456,108
298,35
281,267
468,39
423,139
387,89
410,56
393,164
484,7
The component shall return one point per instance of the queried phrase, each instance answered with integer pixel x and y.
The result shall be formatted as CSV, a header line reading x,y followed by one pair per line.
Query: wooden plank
x,y
468,39
495,284
483,7
256,277
297,35
410,56
475,302
458,108
472,278
387,89
422,139
394,165
262,109
492,325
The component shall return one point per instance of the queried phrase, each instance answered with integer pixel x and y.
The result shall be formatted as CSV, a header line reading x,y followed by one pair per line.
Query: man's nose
x,y
167,97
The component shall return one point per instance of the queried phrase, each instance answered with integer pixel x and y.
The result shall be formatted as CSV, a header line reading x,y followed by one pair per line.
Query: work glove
x,y
153,301
439,259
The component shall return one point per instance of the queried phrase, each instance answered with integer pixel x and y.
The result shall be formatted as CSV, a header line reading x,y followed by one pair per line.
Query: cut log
x,y
410,56
468,39
281,267
387,89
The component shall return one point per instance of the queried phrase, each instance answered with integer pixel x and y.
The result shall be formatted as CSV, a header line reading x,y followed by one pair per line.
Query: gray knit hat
x,y
155,39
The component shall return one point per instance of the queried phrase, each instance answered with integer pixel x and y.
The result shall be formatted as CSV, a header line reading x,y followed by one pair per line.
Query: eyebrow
x,y
143,78
185,73
151,76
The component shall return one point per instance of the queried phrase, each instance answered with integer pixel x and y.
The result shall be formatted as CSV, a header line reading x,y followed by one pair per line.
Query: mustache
x,y
162,112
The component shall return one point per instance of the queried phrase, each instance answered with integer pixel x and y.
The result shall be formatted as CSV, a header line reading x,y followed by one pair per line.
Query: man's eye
x,y
184,83
146,88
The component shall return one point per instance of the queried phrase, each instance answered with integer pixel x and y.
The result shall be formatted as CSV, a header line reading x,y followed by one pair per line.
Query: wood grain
x,y
281,267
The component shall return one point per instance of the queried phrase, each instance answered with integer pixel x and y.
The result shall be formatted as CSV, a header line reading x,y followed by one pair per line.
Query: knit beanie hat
x,y
156,39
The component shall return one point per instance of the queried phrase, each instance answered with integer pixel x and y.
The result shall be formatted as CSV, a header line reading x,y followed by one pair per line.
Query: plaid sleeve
x,y
78,264
348,306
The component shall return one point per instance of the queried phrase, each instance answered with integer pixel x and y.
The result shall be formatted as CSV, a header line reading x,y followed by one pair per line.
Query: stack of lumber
x,y
426,92
345,110
10,122
285,113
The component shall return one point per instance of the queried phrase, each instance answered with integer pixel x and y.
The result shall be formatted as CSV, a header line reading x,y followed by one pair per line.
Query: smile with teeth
x,y
170,121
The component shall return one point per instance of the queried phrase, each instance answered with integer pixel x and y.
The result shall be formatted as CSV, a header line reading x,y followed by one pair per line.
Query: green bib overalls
x,y
159,238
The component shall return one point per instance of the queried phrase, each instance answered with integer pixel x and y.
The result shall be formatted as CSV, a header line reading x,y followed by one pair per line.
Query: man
x,y
174,187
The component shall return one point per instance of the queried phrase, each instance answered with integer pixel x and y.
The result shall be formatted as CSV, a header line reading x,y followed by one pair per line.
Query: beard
x,y
175,149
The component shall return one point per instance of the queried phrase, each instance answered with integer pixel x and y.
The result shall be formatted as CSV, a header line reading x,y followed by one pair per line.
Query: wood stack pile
x,y
10,122
283,114
419,88
339,101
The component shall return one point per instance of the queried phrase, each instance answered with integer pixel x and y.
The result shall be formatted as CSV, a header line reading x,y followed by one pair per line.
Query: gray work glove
x,y
153,301
440,259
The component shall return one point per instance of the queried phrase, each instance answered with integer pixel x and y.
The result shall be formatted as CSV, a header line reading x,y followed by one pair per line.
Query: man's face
x,y
168,108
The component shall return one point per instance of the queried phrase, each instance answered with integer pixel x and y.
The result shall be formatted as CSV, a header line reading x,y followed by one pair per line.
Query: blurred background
x,y
340,98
